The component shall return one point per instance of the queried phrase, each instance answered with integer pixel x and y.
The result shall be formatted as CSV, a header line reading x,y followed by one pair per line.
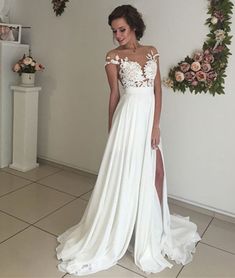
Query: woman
x,y
128,207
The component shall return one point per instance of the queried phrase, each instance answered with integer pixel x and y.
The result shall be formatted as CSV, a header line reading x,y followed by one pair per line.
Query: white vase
x,y
27,79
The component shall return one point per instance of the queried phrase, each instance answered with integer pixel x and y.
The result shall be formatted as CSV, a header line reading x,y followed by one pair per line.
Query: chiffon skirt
x,y
124,212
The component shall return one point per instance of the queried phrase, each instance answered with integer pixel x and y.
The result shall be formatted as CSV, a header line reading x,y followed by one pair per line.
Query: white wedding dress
x,y
124,212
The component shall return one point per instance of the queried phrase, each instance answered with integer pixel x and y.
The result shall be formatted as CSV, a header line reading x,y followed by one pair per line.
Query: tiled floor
x,y
38,205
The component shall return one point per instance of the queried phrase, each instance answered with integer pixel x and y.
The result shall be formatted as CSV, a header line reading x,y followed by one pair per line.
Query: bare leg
x,y
159,175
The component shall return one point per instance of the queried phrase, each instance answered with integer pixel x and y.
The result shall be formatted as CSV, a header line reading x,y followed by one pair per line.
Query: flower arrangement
x,y
59,6
204,71
27,65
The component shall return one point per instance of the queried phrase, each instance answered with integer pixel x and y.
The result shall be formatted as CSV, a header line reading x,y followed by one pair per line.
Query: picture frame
x,y
10,32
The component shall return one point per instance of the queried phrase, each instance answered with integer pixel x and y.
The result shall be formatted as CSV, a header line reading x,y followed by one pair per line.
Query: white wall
x,y
197,131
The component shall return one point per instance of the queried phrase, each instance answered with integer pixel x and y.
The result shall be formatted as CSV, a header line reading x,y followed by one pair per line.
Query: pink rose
x,y
38,67
208,58
179,76
189,76
198,56
184,66
219,15
16,68
194,83
211,76
201,76
218,49
195,66
206,67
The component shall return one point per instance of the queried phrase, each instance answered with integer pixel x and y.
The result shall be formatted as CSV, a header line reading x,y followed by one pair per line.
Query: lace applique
x,y
150,67
132,74
112,61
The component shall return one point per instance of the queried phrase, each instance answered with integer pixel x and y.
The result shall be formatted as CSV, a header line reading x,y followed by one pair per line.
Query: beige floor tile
x,y
10,182
69,182
221,234
86,196
9,226
93,176
36,174
63,218
33,202
93,179
113,272
201,220
30,253
128,262
210,262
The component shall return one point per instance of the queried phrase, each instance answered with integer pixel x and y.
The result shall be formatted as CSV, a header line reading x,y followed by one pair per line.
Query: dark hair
x,y
132,17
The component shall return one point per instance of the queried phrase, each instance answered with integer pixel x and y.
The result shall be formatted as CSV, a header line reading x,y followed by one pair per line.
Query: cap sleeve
x,y
154,53
112,58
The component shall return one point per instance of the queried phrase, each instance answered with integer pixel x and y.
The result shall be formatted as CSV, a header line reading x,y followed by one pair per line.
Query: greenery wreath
x,y
205,70
59,6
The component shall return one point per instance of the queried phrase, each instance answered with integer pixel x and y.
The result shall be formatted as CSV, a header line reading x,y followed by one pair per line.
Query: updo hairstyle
x,y
132,17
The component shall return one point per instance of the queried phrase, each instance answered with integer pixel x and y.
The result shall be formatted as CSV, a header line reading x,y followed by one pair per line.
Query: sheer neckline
x,y
133,73
126,59
150,56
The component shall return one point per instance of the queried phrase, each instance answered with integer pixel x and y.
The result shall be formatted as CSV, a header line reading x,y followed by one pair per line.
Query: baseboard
x,y
66,166
205,209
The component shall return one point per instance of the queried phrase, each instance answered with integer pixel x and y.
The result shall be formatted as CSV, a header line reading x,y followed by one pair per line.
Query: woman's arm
x,y
112,75
158,105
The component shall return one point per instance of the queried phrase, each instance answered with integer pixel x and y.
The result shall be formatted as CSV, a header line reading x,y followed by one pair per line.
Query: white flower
x,y
219,35
214,20
27,61
168,82
150,69
131,71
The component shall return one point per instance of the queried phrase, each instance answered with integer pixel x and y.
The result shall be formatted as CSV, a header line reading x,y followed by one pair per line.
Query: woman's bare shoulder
x,y
112,53
150,48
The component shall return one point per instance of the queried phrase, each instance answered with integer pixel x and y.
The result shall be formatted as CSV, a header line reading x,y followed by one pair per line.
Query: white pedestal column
x,y
25,125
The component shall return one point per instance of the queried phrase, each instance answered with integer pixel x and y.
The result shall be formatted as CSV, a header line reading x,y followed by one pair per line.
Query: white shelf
x,y
10,53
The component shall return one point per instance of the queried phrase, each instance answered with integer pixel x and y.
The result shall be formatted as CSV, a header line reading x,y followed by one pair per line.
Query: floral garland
x,y
205,70
59,6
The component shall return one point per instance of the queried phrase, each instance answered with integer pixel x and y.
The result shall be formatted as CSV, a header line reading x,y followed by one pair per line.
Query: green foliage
x,y
59,6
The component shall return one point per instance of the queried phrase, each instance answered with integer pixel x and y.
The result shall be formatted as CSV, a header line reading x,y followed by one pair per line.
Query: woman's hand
x,y
155,138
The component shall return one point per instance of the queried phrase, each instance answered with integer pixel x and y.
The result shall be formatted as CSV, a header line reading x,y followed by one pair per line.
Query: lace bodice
x,y
132,74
